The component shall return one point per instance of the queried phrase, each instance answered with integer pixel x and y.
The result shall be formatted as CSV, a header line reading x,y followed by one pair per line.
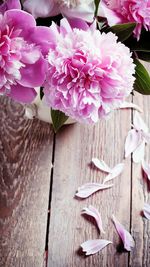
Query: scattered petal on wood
x,y
146,169
138,154
101,165
146,211
116,171
132,141
126,237
88,189
91,247
93,212
130,105
139,124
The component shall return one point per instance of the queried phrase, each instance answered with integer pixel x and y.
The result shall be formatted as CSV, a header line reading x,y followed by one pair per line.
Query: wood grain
x,y
140,193
75,147
25,156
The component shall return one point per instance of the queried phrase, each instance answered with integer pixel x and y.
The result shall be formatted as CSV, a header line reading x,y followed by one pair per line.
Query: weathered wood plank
x,y
75,147
25,165
140,194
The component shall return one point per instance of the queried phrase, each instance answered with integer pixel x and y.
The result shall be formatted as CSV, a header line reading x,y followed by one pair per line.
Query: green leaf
x,y
96,6
142,82
41,93
123,31
144,56
58,119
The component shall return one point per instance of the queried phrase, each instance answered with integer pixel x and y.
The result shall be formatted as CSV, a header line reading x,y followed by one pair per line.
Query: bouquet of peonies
x,y
78,57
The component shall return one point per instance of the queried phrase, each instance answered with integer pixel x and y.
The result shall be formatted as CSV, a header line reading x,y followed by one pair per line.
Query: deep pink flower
x,y
123,11
22,50
90,74
69,8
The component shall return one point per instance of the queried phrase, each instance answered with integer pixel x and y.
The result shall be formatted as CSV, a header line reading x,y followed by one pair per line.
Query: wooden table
x,y
38,211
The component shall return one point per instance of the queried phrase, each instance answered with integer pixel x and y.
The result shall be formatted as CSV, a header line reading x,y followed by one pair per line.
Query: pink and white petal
x,y
139,123
101,165
41,8
110,15
84,11
146,168
125,236
138,154
93,212
22,94
33,75
116,171
91,247
88,189
125,105
132,141
146,211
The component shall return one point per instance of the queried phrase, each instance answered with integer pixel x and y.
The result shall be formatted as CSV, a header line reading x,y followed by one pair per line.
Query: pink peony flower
x,y
83,9
123,11
89,73
22,50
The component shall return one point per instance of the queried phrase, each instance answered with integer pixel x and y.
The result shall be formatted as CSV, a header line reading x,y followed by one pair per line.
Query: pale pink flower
x,y
83,9
22,51
89,74
124,11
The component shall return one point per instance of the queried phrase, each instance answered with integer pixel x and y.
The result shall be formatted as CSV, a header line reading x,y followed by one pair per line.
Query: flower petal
x,y
139,123
126,237
132,142
126,104
101,165
112,17
146,168
116,171
91,247
88,189
20,20
33,74
138,154
93,212
9,4
47,8
22,94
146,210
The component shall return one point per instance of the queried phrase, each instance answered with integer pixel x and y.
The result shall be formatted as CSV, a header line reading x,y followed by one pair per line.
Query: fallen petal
x,y
139,123
116,171
146,211
146,169
132,141
138,154
101,165
130,105
88,189
125,236
91,247
93,212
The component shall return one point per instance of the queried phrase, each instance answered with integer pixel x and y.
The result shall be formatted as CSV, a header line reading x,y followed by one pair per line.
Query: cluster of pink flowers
x,y
124,11
84,73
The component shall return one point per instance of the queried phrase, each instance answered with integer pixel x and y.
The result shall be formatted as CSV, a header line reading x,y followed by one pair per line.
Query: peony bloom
x,y
89,73
22,50
70,8
123,11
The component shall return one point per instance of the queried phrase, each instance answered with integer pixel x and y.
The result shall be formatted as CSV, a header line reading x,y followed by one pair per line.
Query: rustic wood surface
x,y
29,187
25,166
